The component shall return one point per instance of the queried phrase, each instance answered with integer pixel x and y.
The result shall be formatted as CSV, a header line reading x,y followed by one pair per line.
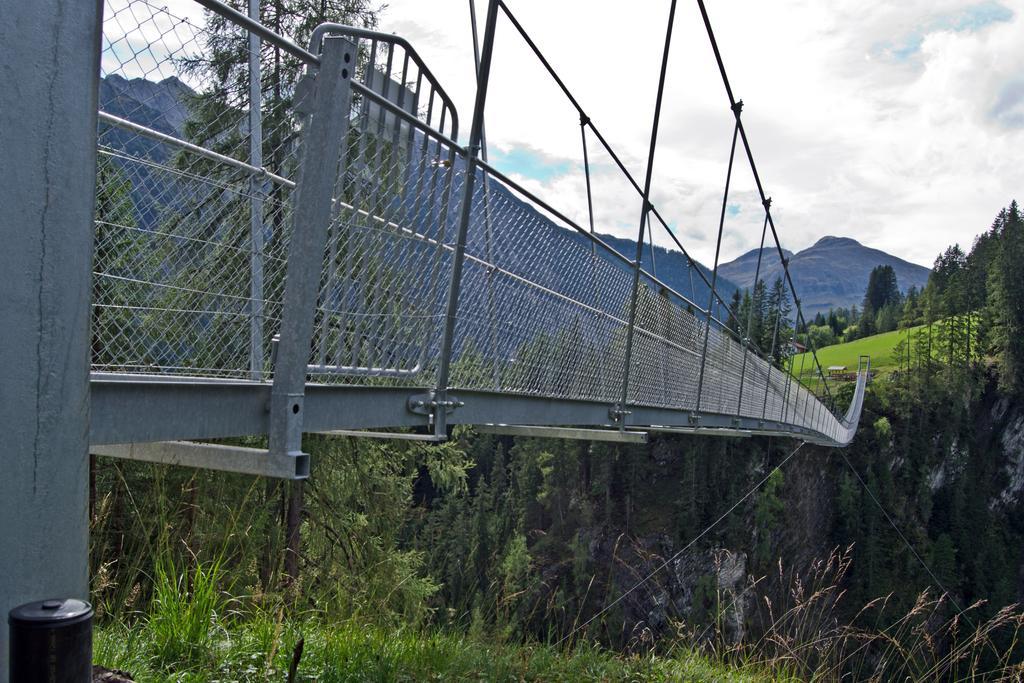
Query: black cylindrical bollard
x,y
51,642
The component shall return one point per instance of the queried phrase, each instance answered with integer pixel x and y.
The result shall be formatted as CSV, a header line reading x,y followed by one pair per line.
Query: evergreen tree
x,y
777,325
910,314
882,288
735,306
882,291
1009,300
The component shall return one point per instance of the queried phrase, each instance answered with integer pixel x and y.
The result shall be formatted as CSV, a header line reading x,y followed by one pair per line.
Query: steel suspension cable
x,y
488,231
757,178
644,210
714,272
750,313
686,547
593,246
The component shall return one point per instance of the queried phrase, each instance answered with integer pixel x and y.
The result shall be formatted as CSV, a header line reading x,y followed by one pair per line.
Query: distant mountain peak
x,y
832,241
169,81
833,272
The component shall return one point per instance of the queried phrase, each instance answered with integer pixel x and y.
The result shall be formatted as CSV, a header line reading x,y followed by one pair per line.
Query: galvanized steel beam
x,y
571,433
326,129
125,410
210,456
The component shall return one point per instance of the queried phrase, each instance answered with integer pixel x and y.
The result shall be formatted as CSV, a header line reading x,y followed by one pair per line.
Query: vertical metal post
x,y
750,315
714,272
593,247
620,412
488,236
323,139
256,194
50,51
475,140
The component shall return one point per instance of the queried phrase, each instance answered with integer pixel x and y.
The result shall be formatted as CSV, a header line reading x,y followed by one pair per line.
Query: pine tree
x,y
776,327
911,308
735,306
882,291
1010,300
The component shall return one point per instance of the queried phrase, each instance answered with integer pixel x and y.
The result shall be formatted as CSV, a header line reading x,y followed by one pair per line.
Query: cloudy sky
x,y
896,123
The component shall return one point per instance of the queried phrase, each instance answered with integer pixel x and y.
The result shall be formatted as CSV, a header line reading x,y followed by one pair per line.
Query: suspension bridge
x,y
333,259
357,268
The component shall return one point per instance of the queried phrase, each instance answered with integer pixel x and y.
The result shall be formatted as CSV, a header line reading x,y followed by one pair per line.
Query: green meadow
x,y
880,348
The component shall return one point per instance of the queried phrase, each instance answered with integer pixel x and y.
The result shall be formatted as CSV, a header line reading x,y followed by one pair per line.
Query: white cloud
x,y
893,123
889,122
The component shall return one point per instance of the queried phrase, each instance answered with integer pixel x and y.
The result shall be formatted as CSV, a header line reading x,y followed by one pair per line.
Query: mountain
x,y
831,273
157,105
673,269
162,107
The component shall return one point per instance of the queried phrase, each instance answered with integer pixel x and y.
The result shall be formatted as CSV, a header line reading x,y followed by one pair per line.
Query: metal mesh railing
x,y
195,186
544,314
389,251
191,237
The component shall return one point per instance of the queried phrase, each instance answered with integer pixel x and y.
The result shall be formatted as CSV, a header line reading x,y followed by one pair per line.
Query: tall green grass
x,y
190,632
183,601
351,650
186,613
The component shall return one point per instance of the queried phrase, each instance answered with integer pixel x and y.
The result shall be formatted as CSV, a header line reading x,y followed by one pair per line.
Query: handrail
x,y
236,17
195,149
357,32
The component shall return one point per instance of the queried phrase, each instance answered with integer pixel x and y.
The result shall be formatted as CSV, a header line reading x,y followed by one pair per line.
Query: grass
x,y
804,640
262,649
879,347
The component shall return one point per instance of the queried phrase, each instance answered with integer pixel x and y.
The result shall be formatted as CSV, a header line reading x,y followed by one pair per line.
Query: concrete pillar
x,y
49,70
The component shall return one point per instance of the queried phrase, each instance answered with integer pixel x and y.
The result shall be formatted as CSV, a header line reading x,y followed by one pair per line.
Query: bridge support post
x,y
322,142
49,50
256,191
476,133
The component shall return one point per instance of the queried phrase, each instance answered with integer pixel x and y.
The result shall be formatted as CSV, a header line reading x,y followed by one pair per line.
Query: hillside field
x,y
879,347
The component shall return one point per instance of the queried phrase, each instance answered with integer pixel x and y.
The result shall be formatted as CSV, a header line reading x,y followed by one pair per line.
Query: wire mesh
x,y
192,243
173,278
389,251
